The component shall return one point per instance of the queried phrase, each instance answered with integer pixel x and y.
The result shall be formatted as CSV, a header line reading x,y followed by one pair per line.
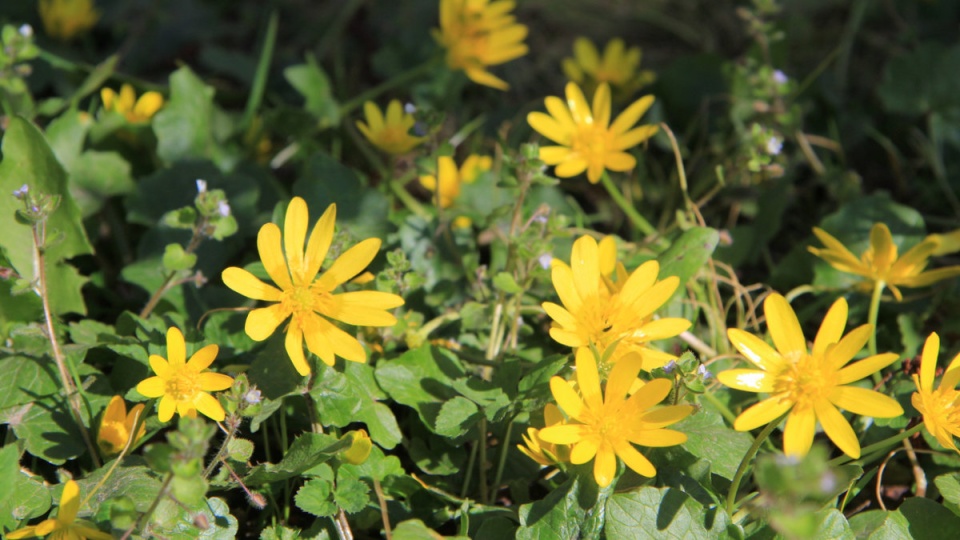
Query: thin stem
x,y
168,282
343,526
123,453
384,516
638,221
482,461
398,80
72,395
469,475
407,199
502,463
738,477
234,423
145,518
874,312
877,446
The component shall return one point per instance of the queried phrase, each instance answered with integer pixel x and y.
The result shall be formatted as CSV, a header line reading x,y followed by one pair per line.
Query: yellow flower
x,y
587,139
64,19
539,450
360,447
604,427
136,111
65,526
478,34
116,426
941,407
390,134
306,299
880,263
182,385
618,66
446,184
808,385
600,315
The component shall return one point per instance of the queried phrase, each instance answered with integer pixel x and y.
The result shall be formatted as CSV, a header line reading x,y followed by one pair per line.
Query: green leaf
x,y
28,159
310,80
176,523
456,417
378,466
880,525
175,258
354,396
910,87
662,513
708,437
558,515
272,371
307,451
22,497
20,308
351,493
26,380
688,254
929,520
505,282
131,479
97,176
414,529
314,497
184,127
240,450
66,135
949,486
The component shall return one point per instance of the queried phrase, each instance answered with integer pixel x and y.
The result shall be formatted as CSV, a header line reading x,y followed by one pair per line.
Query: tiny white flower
x,y
26,30
201,185
545,261
774,146
223,208
409,108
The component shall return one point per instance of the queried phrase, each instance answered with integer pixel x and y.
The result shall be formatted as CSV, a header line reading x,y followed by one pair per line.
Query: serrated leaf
x,y
307,451
314,497
708,437
662,513
176,523
28,159
351,494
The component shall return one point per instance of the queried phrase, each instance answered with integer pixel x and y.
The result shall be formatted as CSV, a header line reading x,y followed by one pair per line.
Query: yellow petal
x,y
659,438
319,345
662,329
176,347
837,428
566,397
349,264
320,239
622,376
586,54
69,502
562,277
293,343
559,111
865,367
634,137
148,104
202,359
166,407
127,99
554,155
848,347
152,387
584,450
562,434
865,402
756,350
604,465
116,411
573,166
588,378
214,382
748,380
560,315
159,365
31,531
763,413
209,406
619,161
652,393
344,345
294,236
249,285
268,244
799,431
607,253
547,126
784,327
485,78
639,282
884,250
831,329
601,106
108,96
374,117
365,308
665,416
262,322
88,533
655,297
577,103
631,115
634,459
585,263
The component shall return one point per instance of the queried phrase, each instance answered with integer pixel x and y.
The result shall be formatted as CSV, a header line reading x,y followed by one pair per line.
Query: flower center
x,y
298,300
592,142
806,380
184,384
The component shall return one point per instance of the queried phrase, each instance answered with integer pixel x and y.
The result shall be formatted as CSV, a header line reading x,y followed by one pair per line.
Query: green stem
x,y
502,463
398,80
874,312
263,71
407,199
742,469
638,221
877,446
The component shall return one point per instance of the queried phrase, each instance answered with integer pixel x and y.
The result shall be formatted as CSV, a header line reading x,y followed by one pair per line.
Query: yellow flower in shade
x,y
136,111
586,138
117,426
360,447
808,385
306,299
539,450
478,34
65,526
390,134
618,66
606,425
941,407
620,314
448,180
64,19
183,386
880,262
